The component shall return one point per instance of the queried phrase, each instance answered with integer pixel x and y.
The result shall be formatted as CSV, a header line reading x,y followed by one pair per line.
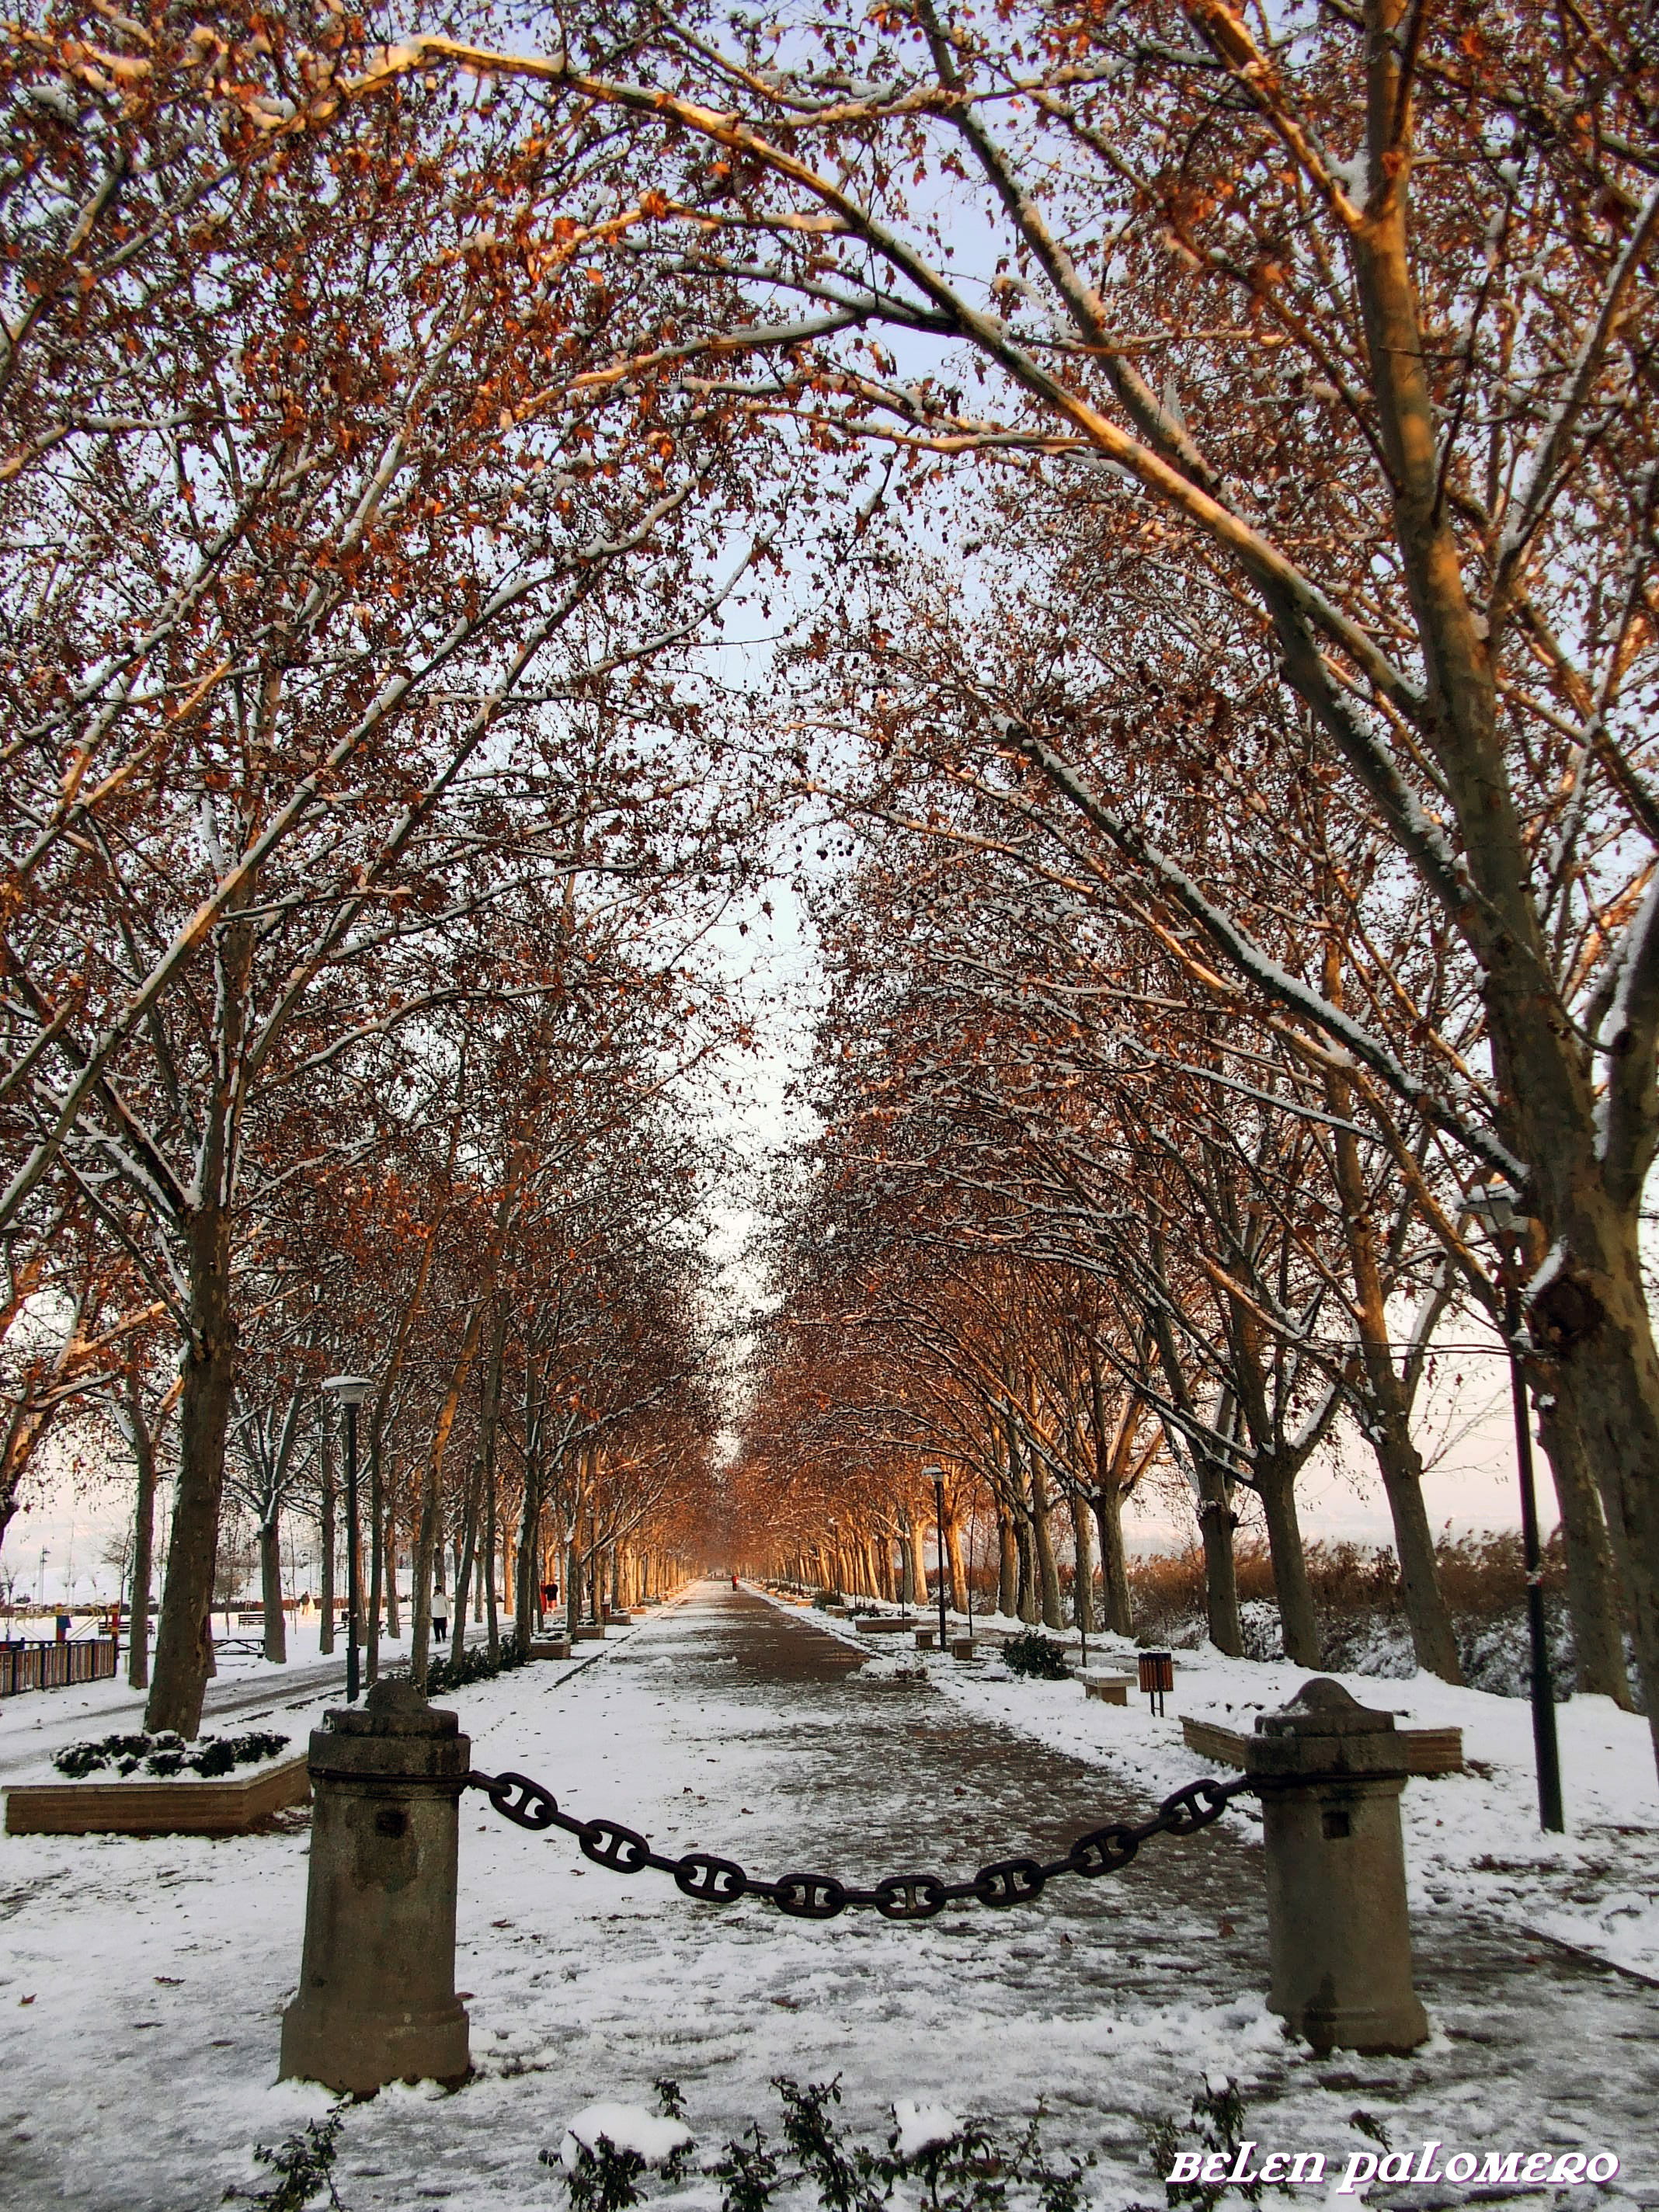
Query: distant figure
x,y
549,1594
439,1616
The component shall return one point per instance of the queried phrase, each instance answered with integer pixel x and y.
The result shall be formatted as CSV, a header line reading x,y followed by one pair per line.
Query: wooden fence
x,y
39,1666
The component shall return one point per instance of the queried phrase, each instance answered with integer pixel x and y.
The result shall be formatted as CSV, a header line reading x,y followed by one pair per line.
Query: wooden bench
x,y
882,1625
1427,1751
549,1647
588,1632
1113,1691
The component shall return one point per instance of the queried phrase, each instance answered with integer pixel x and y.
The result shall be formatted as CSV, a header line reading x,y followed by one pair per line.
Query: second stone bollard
x,y
377,2000
1339,1940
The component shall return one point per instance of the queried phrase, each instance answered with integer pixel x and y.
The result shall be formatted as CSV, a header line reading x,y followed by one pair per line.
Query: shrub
x,y
969,2170
822,1598
472,1664
1216,2124
167,1755
1039,1656
303,2166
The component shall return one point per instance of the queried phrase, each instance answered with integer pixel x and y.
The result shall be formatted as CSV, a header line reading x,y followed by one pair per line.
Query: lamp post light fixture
x,y
349,1391
1494,1206
938,1473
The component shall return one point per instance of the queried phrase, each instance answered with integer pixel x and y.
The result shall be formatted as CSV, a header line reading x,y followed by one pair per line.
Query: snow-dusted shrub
x,y
1039,1656
958,2166
472,1663
303,2166
1497,1654
167,1755
1216,2124
609,2148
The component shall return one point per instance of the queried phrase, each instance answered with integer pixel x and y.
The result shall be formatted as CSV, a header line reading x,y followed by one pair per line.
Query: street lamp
x,y
938,1473
349,1391
1494,1205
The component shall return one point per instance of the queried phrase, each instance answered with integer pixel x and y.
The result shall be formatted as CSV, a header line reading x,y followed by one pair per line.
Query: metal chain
x,y
714,1880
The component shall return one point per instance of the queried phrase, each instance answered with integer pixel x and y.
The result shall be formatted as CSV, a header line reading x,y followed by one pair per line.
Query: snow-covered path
x,y
142,1981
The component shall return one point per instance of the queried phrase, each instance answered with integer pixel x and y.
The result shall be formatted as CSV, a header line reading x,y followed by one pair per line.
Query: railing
x,y
40,1666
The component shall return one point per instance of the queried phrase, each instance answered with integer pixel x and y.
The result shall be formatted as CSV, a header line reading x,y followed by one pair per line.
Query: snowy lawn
x,y
1471,1838
142,1980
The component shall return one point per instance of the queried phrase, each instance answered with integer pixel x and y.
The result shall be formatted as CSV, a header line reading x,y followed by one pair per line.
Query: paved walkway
x,y
729,1724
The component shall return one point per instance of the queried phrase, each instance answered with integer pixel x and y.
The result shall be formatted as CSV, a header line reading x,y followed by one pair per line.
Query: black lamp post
x,y
349,1391
938,1473
1493,1205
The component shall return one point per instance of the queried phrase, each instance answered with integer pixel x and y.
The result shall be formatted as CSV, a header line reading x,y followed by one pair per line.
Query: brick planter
x,y
550,1647
883,1625
156,1808
589,1632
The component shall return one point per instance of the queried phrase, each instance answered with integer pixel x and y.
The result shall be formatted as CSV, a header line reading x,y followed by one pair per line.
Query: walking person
x,y
439,1616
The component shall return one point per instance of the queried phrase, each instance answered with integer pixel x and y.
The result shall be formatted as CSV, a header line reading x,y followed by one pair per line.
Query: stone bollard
x,y
377,1999
1338,1942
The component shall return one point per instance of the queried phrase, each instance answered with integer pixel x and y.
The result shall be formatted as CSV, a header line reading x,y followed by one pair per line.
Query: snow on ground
x,y
1473,1838
142,1981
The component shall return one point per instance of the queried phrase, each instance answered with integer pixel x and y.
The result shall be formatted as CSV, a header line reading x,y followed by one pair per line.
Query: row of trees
x,y
361,823
1296,369
1068,1230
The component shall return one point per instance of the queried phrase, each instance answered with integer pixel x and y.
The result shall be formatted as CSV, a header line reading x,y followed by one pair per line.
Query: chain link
x,y
711,1880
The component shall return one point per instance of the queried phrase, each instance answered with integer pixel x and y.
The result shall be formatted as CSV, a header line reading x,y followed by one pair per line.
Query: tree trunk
x,y
916,1571
1217,1522
369,1612
1082,1573
184,1643
1434,1640
1298,1622
1030,1602
468,1553
493,1626
957,1566
143,1538
394,1626
425,1554
326,1514
1042,1547
1594,1602
1108,1502
1398,1459
1593,1315
526,1598
1007,1568
270,1590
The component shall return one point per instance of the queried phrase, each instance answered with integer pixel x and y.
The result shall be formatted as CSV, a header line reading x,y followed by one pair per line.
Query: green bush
x,y
1039,1656
822,1598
